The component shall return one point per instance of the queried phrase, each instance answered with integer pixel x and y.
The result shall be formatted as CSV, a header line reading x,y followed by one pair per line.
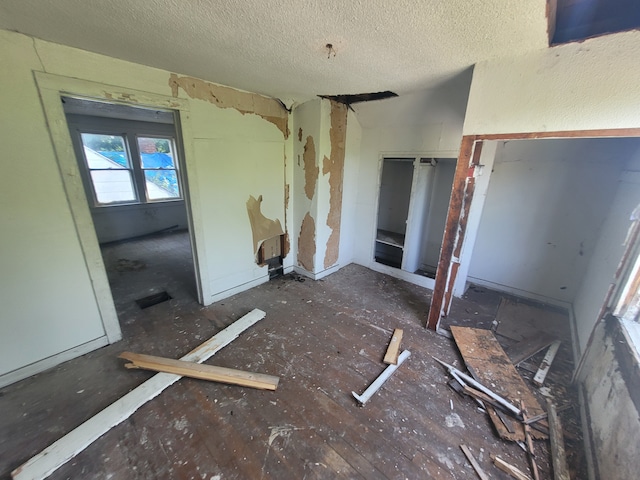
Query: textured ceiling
x,y
277,47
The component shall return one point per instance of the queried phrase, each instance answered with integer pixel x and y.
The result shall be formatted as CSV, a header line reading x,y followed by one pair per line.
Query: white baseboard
x,y
237,289
420,280
519,293
319,275
52,361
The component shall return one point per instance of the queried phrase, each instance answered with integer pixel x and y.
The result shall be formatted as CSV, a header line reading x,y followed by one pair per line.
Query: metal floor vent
x,y
152,300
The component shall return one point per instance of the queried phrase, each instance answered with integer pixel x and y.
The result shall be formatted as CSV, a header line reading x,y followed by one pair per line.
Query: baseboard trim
x,y
52,361
519,293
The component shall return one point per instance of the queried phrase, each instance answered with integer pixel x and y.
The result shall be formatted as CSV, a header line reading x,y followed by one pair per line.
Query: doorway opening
x,y
132,169
412,212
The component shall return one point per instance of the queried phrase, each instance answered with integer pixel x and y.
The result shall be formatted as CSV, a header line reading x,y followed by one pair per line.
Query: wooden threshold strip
x,y
202,372
67,447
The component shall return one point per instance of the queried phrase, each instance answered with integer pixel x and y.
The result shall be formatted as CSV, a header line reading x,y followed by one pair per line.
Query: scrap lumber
x,y
393,350
476,466
545,366
558,456
486,359
463,378
528,347
67,447
510,469
202,372
530,451
384,376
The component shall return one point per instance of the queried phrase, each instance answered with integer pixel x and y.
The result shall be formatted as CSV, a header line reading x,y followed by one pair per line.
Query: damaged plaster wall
x,y
334,167
319,167
612,393
234,154
306,121
546,203
427,122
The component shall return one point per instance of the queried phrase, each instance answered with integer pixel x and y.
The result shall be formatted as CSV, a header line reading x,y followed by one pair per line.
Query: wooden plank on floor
x,y
474,463
545,366
202,372
528,347
485,358
558,455
64,449
391,357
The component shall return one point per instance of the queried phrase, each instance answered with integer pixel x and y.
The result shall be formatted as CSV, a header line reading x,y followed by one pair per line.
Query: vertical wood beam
x,y
459,205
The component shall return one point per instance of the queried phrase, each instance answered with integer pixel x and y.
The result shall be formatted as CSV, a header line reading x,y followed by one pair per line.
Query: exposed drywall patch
x,y
334,167
287,195
262,227
311,170
270,109
307,243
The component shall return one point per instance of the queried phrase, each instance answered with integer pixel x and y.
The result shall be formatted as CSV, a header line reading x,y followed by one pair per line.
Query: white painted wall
x,y
131,221
609,247
578,86
48,302
546,203
427,123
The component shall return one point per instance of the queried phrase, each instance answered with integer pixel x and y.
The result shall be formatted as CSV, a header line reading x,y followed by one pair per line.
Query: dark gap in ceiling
x,y
359,97
580,19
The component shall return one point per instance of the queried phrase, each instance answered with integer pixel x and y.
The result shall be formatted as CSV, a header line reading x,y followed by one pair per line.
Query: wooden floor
x,y
322,338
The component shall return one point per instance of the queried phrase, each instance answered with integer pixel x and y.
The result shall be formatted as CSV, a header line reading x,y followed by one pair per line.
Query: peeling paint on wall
x,y
224,97
334,166
300,134
311,170
307,243
262,227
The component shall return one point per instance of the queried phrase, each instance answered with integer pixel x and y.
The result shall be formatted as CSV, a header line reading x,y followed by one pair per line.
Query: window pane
x,y
105,151
156,152
161,184
113,186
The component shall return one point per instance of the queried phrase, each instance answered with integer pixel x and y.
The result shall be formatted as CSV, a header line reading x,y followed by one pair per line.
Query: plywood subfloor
x,y
323,338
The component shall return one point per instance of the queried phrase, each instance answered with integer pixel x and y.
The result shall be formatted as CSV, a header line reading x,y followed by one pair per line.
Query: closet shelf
x,y
390,238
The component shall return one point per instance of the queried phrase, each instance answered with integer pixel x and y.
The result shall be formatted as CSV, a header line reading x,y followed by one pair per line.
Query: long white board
x,y
64,449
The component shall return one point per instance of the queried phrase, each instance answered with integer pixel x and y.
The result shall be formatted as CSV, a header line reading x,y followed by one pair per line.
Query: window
x,y
126,161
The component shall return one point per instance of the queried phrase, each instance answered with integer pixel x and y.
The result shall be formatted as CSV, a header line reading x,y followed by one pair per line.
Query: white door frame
x,y
51,89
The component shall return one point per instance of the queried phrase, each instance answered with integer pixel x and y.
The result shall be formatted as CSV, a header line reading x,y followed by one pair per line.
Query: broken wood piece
x,y
393,350
67,447
456,387
528,347
384,376
510,469
202,372
558,455
546,363
483,355
464,378
530,451
473,462
483,397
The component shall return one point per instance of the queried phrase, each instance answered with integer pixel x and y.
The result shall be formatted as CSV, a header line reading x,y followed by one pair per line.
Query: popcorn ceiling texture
x,y
277,47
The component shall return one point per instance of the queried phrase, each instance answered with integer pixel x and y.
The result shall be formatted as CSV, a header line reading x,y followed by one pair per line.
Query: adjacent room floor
x,y
324,339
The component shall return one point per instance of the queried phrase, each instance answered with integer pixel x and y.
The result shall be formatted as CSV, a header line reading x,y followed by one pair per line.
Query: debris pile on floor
x,y
499,390
393,359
